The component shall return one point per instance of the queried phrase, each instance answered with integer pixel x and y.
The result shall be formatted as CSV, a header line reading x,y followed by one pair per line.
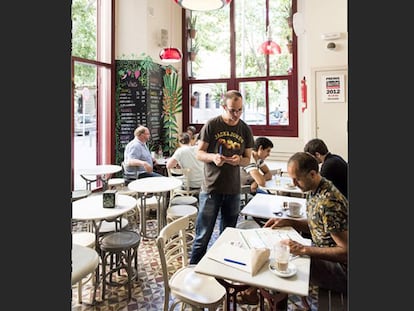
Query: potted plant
x,y
289,15
171,106
195,47
289,44
192,21
193,101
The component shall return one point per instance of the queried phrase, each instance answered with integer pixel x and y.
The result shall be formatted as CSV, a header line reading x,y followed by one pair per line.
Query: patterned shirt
x,y
327,210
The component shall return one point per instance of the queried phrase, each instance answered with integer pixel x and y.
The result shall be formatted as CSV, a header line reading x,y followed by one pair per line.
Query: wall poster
x,y
333,88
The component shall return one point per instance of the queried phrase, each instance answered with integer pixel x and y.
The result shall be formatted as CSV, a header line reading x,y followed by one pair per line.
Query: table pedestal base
x,y
277,301
160,218
232,288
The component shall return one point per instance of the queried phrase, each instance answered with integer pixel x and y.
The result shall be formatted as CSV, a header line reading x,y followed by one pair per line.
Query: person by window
x,y
333,167
138,162
185,157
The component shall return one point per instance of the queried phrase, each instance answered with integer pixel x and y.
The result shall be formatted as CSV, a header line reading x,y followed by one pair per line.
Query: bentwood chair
x,y
183,201
85,260
185,194
181,282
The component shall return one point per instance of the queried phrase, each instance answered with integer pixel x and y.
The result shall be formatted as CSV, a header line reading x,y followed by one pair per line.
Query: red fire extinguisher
x,y
304,92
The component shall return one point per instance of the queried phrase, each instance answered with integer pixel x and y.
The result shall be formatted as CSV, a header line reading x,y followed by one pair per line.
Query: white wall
x,y
138,27
320,16
138,30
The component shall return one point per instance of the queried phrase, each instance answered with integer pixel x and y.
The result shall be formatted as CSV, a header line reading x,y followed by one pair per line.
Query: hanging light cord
x,y
171,24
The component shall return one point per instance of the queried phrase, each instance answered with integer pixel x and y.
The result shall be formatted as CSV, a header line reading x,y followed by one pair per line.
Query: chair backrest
x,y
244,193
185,176
172,248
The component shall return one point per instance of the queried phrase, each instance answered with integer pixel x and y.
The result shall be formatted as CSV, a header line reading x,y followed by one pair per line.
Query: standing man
x,y
138,162
333,167
225,144
327,222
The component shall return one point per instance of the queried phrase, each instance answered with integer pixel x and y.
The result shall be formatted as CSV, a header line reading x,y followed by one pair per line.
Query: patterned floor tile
x,y
148,292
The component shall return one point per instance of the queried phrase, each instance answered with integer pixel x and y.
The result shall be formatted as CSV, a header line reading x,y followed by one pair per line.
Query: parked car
x,y
84,124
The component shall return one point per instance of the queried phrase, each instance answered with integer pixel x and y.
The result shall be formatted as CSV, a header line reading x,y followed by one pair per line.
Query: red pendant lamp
x,y
269,47
170,54
202,5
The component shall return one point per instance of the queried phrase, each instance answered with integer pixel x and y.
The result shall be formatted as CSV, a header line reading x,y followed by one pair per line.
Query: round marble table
x,y
91,209
102,172
160,187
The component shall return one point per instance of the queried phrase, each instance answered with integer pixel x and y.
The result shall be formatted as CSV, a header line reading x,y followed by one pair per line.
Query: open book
x,y
267,237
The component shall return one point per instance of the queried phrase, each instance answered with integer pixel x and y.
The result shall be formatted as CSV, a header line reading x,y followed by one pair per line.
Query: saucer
x,y
294,216
291,270
290,186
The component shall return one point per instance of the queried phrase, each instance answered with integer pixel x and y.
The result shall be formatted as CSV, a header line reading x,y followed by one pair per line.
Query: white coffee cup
x,y
294,208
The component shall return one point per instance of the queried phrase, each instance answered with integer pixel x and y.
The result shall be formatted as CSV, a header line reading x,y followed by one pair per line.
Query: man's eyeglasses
x,y
234,111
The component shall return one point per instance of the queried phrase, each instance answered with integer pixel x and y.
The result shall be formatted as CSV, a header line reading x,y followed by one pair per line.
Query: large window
x,y
230,56
92,22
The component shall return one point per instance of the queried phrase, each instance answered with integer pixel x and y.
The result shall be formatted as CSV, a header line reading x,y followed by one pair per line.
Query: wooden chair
x,y
329,300
185,194
185,286
85,260
244,194
177,211
121,250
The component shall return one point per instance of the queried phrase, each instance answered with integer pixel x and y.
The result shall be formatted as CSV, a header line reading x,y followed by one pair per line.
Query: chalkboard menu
x,y
139,94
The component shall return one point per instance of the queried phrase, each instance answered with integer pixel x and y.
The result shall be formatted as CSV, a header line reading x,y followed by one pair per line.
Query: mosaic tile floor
x,y
148,292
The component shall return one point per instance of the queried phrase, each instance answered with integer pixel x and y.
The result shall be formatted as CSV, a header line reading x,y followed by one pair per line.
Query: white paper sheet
x,y
226,250
266,237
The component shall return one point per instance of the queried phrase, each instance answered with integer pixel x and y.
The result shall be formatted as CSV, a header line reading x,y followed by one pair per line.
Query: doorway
x,y
331,102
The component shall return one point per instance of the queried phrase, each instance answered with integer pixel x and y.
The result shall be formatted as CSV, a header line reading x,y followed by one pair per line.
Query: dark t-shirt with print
x,y
228,140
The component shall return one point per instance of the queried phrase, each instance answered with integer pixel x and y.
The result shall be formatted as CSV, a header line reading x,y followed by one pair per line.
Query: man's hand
x,y
219,160
148,168
233,160
277,222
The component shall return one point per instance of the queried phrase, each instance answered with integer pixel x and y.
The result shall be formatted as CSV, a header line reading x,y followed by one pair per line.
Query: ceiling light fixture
x,y
171,55
269,47
202,5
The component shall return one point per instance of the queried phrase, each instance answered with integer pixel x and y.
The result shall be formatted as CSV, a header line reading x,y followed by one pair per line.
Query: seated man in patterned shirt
x,y
327,223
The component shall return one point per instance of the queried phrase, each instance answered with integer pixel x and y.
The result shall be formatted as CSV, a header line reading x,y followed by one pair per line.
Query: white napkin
x,y
258,257
248,260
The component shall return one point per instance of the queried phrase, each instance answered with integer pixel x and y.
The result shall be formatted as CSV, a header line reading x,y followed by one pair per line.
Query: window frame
x,y
233,82
105,96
